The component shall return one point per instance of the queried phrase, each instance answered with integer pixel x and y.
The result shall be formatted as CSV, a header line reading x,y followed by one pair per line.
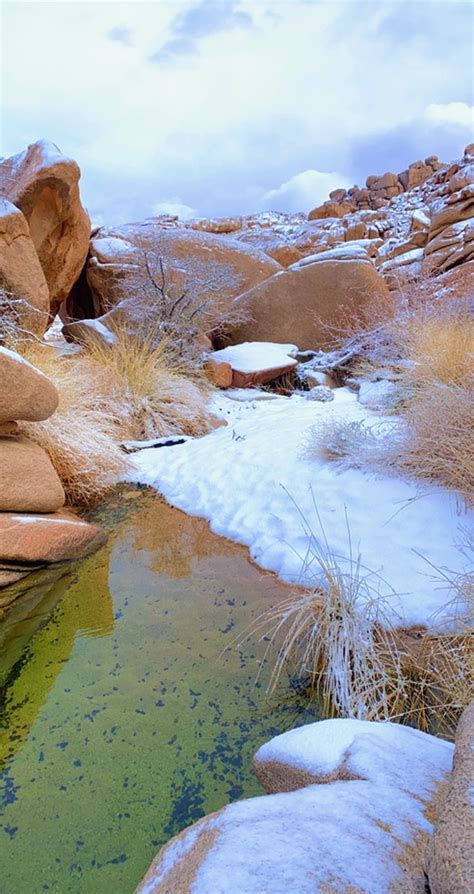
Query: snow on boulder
x,y
364,829
256,363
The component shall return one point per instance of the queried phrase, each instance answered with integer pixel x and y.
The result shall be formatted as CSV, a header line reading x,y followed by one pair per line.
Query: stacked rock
x,y
35,530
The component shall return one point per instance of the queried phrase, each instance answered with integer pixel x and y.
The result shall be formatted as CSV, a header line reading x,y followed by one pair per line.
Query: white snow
x,y
348,251
255,483
253,356
325,837
380,752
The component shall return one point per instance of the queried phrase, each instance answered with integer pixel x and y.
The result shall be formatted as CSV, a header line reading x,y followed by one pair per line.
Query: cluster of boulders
x,y
35,531
351,806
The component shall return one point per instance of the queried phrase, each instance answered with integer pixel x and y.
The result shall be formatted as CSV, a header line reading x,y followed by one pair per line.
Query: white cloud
x,y
254,99
451,113
303,191
174,206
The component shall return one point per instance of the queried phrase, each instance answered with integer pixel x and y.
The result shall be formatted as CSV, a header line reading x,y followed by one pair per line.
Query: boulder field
x,y
35,531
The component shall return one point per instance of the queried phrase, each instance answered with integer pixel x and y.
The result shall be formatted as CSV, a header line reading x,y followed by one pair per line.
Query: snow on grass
x,y
254,484
253,356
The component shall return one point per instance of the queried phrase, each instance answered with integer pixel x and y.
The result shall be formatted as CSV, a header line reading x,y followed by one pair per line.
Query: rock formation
x,y
25,295
307,302
450,863
44,185
34,529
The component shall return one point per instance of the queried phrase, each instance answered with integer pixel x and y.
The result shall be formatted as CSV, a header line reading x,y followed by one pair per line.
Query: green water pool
x,y
122,720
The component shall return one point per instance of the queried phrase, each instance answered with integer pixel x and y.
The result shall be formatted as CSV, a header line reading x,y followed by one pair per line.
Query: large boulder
x,y
44,185
304,303
352,817
43,539
25,302
450,863
25,392
125,263
29,482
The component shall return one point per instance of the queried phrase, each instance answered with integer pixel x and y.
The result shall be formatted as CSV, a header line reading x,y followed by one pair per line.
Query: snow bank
x,y
254,484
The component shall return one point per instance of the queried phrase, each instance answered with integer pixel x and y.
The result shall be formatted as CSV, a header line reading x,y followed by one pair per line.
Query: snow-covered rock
x,y
364,829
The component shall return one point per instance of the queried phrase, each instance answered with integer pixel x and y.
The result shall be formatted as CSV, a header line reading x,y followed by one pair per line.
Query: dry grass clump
x,y
429,353
338,639
81,436
439,342
153,393
438,442
129,390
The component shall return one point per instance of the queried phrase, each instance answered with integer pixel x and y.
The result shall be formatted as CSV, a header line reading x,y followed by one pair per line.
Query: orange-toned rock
x,y
21,274
216,224
42,539
44,185
28,481
450,863
25,392
125,261
256,363
218,372
302,304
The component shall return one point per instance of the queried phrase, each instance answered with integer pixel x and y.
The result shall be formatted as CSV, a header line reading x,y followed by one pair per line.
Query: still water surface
x,y
121,718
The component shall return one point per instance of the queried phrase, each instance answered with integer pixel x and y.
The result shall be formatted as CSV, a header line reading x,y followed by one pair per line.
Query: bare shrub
x,y
17,317
180,316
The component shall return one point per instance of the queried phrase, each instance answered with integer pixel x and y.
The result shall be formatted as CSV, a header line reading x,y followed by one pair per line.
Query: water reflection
x,y
126,720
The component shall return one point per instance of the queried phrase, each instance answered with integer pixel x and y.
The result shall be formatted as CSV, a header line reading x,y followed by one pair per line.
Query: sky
x,y
221,107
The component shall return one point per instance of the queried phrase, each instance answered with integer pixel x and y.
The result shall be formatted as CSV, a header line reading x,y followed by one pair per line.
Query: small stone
x,y
321,393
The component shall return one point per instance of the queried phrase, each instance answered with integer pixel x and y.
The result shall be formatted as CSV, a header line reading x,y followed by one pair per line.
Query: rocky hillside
x,y
398,229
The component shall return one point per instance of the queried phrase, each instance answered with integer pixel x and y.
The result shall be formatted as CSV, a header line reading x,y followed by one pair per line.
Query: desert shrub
x,y
18,319
81,436
159,306
133,389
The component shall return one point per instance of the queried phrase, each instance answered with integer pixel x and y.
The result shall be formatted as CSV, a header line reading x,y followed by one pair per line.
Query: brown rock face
x,y
43,184
28,481
204,263
25,393
450,864
21,274
44,539
299,304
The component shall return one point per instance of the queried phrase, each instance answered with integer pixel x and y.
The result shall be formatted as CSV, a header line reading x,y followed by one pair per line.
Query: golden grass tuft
x,y
134,389
154,393
439,342
81,436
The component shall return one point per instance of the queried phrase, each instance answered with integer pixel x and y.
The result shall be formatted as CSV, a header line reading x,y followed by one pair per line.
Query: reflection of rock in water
x,y
41,592
86,610
177,545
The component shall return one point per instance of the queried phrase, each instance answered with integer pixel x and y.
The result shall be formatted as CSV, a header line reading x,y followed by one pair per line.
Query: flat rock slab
x,y
252,363
56,537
